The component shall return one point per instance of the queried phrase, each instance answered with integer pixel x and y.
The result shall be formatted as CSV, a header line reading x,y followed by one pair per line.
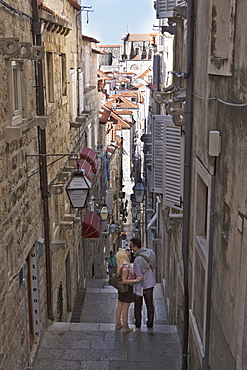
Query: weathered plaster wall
x,y
229,262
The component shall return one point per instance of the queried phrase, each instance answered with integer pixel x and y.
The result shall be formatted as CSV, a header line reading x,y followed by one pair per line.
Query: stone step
x,y
92,327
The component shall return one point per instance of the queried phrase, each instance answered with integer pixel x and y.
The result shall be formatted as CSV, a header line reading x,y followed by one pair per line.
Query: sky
x,y
110,19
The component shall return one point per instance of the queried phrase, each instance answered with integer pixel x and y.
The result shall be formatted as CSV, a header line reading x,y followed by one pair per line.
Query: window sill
x,y
15,132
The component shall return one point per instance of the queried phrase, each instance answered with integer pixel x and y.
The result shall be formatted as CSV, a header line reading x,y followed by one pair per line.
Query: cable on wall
x,y
14,9
221,101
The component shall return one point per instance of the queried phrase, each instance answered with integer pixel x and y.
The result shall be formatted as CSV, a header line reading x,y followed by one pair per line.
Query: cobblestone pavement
x,y
93,344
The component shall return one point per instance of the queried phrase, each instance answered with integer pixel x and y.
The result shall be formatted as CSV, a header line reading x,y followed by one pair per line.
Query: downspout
x,y
42,158
187,175
210,268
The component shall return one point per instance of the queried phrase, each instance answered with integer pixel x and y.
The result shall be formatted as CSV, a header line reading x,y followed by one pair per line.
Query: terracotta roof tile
x,y
110,46
104,75
141,36
120,122
145,73
90,39
129,93
45,8
119,102
124,112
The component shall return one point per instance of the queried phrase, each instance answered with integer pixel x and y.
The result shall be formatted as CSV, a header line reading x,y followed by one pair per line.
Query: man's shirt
x,y
148,280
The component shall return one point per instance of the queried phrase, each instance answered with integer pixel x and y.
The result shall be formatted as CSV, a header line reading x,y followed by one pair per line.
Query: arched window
x,y
134,67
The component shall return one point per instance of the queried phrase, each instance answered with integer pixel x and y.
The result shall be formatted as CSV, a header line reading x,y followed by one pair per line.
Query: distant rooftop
x,y
109,46
141,36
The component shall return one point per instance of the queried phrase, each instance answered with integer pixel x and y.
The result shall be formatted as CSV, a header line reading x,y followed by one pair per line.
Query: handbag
x,y
116,281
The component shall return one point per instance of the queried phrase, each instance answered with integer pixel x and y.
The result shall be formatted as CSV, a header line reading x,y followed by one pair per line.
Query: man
x,y
144,264
112,264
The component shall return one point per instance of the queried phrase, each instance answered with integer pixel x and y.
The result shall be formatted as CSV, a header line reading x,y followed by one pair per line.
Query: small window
x,y
81,90
55,210
50,77
202,208
73,92
221,48
64,74
87,68
137,51
90,134
16,90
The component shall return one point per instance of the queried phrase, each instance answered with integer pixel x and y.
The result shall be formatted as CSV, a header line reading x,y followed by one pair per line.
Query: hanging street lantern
x,y
78,188
134,211
104,213
139,191
136,232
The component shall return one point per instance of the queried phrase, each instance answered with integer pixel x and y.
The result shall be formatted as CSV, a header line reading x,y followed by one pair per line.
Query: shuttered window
x,y
173,164
157,153
168,160
73,94
164,8
81,91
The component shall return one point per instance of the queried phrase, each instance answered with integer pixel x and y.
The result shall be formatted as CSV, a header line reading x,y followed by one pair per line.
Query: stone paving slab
x,y
94,344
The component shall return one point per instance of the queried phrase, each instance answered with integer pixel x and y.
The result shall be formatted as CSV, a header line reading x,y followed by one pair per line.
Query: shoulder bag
x,y
116,281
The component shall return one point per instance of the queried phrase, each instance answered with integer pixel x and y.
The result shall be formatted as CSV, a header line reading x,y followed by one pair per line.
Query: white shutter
x,y
164,8
157,153
81,91
73,94
173,164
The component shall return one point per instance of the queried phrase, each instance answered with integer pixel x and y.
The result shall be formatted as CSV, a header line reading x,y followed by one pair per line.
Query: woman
x,y
126,271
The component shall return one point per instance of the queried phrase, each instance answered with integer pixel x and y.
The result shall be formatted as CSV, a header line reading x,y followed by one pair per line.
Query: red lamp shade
x,y
87,168
90,156
91,225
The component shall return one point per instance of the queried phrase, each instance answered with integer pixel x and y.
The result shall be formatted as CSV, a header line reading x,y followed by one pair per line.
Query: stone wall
x,y
21,206
20,199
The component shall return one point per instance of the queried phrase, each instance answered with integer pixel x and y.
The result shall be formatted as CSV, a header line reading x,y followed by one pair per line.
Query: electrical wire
x,y
14,9
221,101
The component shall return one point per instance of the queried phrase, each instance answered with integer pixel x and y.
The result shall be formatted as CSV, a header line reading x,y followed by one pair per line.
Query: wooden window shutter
x,y
73,94
81,91
157,153
164,8
173,164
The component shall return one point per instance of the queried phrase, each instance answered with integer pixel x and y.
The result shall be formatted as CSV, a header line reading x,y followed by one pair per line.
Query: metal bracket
x,y
56,245
159,96
178,115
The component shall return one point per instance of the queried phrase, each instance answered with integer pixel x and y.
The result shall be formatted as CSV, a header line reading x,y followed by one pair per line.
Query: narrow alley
x,y
93,344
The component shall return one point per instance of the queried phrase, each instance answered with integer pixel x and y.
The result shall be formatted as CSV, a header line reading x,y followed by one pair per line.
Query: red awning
x,y
87,168
91,157
91,225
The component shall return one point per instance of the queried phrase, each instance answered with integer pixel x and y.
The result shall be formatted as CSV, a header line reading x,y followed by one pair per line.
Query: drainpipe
x,y
42,158
187,175
156,77
210,267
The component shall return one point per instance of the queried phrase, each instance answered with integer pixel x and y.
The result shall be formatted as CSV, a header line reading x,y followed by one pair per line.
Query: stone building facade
x,y
203,236
49,113
137,52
